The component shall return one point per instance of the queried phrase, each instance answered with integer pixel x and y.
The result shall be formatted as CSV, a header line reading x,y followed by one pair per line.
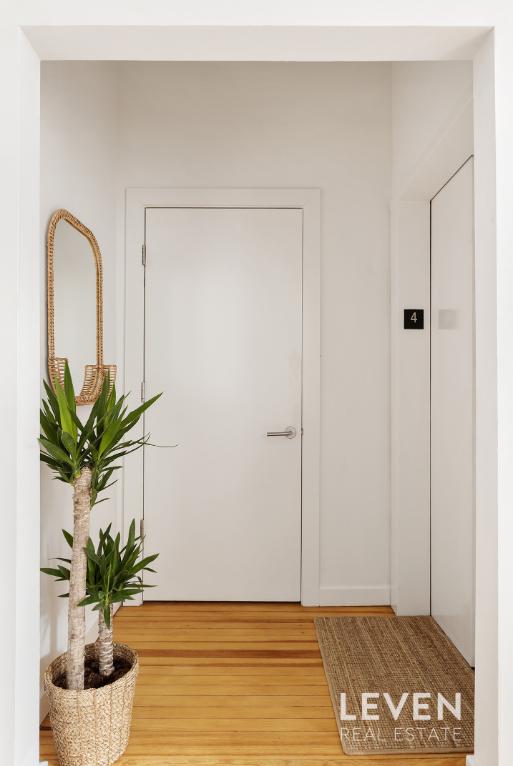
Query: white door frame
x,y
449,626
306,200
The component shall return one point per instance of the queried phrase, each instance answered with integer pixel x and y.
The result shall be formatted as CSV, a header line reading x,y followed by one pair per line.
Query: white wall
x,y
432,136
410,415
300,125
78,162
427,98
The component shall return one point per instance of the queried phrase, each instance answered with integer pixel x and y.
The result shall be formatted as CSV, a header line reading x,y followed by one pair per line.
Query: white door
x,y
452,410
223,341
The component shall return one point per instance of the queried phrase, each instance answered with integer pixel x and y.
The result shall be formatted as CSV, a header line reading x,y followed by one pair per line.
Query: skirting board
x,y
471,760
363,595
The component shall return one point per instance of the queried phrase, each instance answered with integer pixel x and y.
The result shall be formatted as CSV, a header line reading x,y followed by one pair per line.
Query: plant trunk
x,y
77,582
105,648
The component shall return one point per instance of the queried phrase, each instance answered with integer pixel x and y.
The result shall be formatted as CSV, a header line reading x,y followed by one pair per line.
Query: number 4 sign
x,y
413,319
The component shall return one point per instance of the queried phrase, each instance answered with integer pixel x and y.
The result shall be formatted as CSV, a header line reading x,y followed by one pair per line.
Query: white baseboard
x,y
363,595
471,760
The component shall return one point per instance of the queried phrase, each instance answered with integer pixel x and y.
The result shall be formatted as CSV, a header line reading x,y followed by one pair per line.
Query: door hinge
x,y
143,255
141,529
143,390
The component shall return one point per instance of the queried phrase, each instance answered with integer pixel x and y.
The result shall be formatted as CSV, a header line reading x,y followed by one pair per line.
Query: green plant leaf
x,y
67,423
56,452
88,428
52,572
68,389
52,401
69,443
88,601
49,460
109,437
47,425
134,416
144,563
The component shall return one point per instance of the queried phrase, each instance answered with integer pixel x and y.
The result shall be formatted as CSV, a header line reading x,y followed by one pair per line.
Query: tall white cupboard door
x,y
223,334
452,410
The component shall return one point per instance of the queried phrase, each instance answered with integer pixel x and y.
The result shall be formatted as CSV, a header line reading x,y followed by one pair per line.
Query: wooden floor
x,y
234,685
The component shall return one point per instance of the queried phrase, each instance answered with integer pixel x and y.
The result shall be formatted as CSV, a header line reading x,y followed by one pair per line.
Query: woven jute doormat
x,y
413,674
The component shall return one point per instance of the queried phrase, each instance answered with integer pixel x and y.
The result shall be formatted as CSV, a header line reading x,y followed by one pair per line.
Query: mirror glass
x,y
74,300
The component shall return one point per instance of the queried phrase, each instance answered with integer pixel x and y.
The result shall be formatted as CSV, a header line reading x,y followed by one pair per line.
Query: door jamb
x,y
308,201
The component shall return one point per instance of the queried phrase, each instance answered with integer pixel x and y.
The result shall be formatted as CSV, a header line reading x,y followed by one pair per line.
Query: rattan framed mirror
x,y
75,305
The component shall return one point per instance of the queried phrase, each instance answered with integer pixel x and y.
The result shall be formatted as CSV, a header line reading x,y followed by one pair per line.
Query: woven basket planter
x,y
91,727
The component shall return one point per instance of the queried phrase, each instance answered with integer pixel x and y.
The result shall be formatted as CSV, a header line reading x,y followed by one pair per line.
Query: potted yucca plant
x,y
114,574
90,725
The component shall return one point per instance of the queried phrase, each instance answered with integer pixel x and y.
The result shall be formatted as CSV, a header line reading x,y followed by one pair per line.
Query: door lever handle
x,y
290,432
